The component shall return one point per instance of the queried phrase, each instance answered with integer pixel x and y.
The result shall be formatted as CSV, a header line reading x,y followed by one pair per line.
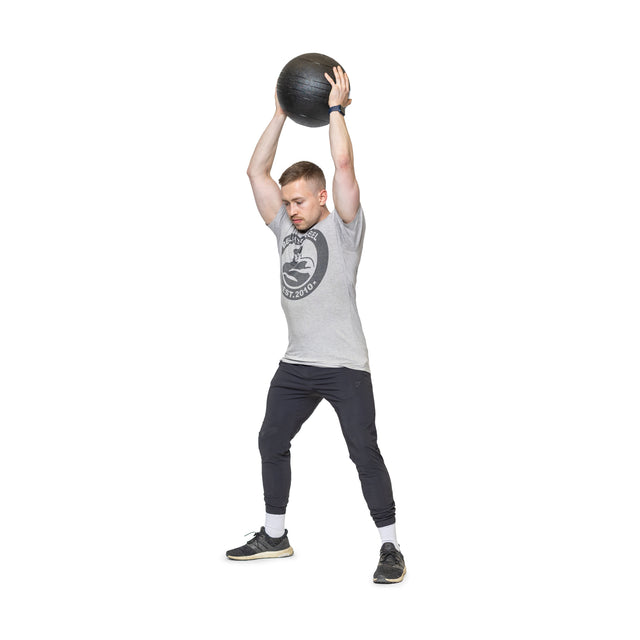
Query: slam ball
x,y
303,91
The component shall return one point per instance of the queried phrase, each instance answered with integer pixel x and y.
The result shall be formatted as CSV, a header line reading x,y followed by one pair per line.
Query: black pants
x,y
295,392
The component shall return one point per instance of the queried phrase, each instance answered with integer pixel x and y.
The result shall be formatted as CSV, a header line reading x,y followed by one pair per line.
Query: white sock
x,y
274,524
388,534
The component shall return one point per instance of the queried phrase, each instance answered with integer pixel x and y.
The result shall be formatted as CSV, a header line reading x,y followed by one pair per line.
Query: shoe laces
x,y
390,554
255,534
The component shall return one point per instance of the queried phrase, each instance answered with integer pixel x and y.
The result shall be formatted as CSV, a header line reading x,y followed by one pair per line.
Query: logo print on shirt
x,y
304,260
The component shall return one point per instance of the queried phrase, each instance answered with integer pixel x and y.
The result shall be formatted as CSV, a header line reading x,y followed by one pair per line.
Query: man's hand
x,y
279,109
339,88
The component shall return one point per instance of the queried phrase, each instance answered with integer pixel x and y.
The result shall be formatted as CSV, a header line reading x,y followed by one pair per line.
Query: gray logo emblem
x,y
304,260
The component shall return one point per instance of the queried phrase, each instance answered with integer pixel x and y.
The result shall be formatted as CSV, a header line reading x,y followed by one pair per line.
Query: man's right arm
x,y
265,189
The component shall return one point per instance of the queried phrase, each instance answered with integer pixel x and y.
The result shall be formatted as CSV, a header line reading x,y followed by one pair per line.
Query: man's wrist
x,y
338,108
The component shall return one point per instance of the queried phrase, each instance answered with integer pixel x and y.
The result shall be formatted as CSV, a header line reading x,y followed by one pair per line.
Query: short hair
x,y
307,170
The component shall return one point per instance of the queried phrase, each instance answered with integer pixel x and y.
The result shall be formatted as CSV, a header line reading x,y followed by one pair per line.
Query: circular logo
x,y
304,260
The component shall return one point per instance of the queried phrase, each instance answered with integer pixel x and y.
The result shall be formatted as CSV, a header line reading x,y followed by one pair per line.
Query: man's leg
x,y
353,401
289,403
351,395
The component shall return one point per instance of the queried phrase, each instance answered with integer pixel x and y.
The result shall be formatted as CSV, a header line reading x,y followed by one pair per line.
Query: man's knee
x,y
271,443
368,460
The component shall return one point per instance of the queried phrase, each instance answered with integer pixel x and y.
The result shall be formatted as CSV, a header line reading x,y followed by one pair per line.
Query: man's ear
x,y
322,197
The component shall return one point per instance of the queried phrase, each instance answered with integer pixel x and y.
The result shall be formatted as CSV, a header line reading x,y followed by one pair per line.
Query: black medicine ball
x,y
303,91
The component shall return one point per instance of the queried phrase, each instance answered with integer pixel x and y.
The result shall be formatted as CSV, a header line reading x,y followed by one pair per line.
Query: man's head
x,y
304,192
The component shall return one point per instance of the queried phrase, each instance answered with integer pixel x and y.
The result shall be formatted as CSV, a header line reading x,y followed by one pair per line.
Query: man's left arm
x,y
346,192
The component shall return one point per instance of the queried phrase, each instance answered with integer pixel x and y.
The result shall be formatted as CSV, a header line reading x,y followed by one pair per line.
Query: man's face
x,y
305,203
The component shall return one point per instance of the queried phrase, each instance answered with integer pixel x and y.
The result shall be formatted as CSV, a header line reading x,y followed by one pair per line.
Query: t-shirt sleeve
x,y
276,224
352,233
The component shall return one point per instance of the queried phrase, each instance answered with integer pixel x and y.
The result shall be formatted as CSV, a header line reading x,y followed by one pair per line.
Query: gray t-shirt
x,y
318,270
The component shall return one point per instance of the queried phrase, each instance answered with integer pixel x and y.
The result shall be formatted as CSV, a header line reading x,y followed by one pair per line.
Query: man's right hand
x,y
279,109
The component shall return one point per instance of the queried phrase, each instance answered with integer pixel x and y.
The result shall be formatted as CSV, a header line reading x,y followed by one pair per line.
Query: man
x,y
327,353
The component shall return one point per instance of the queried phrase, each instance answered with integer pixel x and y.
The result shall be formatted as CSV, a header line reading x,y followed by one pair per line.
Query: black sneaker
x,y
262,546
391,565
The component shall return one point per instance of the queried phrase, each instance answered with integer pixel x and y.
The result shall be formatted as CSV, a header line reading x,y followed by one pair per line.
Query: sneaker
x,y
391,565
262,546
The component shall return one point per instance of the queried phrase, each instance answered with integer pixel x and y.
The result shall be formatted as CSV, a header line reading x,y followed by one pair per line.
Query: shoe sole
x,y
284,553
391,580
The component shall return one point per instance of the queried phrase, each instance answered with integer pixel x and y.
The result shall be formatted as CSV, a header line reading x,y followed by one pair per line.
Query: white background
x,y
497,149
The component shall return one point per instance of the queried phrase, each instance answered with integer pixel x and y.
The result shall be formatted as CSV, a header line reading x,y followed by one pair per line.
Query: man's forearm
x,y
265,151
340,142
346,192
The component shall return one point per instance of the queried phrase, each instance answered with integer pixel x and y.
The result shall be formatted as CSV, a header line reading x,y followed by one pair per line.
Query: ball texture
x,y
303,91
